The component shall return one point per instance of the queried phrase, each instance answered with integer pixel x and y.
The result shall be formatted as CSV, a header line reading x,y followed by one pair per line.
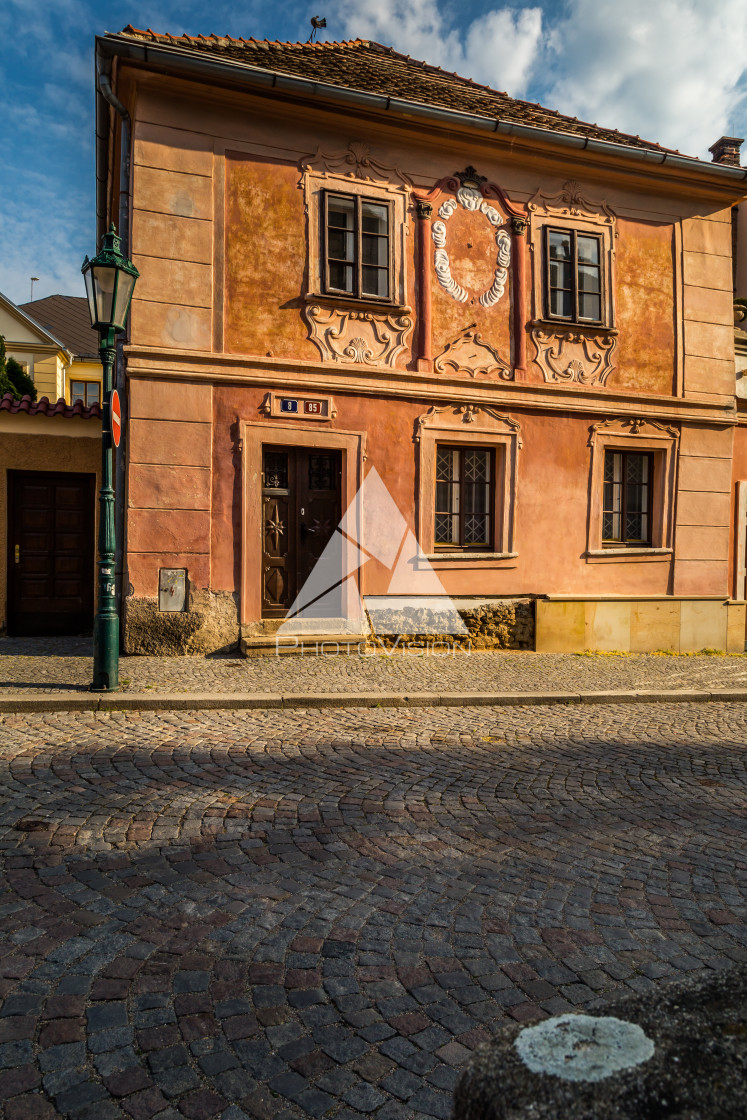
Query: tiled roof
x,y
373,68
68,319
44,407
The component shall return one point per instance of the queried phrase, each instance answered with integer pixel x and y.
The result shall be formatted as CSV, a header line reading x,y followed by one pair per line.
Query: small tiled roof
x,y
44,407
373,68
68,319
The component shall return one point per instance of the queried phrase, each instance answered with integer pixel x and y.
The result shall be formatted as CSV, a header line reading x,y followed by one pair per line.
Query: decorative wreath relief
x,y
470,199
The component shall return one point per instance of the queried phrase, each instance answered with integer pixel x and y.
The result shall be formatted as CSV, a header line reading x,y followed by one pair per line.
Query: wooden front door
x,y
50,552
301,509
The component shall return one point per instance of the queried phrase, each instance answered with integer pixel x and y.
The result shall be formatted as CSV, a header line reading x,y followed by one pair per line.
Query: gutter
x,y
189,62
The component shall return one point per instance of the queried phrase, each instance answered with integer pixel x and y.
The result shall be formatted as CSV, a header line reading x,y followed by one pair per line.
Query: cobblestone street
x,y
43,665
295,914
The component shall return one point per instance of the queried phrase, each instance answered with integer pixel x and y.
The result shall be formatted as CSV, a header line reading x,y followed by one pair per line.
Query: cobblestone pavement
x,y
288,914
50,665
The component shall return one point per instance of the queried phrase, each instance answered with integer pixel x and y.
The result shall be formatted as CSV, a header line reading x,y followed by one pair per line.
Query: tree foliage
x,y
13,377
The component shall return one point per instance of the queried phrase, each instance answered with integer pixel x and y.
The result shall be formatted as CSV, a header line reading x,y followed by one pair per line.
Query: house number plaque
x,y
292,407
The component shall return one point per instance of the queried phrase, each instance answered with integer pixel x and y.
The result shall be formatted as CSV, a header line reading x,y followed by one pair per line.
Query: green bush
x,y
13,377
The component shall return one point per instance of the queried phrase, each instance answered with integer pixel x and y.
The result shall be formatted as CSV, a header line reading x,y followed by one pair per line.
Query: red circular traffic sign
x,y
116,418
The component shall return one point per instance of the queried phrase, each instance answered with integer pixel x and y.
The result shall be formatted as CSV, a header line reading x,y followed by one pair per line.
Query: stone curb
x,y
182,701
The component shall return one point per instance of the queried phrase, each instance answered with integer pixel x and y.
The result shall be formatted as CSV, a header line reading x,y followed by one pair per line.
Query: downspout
x,y
120,474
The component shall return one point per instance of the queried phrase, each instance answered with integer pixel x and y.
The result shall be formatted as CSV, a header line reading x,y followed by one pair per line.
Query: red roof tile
x,y
373,68
44,407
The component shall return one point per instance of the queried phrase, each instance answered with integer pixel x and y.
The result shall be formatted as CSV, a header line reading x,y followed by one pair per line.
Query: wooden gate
x,y
50,552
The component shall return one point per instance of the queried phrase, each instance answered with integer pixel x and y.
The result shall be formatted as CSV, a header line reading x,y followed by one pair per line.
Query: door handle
x,y
17,554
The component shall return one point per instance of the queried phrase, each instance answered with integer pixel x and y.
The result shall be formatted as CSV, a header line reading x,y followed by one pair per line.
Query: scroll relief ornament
x,y
470,353
585,359
470,199
357,337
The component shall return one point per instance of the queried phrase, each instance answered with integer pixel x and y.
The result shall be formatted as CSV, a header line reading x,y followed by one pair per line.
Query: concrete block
x,y
703,625
172,326
702,542
707,271
561,626
709,340
170,400
173,192
607,626
735,627
654,625
171,443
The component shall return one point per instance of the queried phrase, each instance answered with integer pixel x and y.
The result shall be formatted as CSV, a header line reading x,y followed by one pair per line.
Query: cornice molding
x,y
161,363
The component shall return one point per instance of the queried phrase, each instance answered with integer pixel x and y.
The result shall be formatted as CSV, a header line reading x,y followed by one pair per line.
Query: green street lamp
x,y
110,281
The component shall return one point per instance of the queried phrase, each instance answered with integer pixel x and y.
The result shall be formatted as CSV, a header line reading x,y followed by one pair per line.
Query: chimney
x,y
726,150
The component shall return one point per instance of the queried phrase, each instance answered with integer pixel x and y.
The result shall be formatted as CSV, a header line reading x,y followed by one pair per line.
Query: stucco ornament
x,y
573,356
470,353
454,414
632,426
357,337
356,162
470,199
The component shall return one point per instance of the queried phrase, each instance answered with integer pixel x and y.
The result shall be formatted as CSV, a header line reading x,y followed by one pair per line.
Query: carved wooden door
x,y
301,509
279,532
318,478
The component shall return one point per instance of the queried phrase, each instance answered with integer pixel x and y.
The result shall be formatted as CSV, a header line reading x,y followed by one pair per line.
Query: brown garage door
x,y
50,552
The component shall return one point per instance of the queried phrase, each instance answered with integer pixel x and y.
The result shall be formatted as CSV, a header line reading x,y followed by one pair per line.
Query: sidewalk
x,y
54,673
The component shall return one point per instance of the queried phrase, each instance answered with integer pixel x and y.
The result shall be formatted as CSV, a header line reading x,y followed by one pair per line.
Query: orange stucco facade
x,y
225,189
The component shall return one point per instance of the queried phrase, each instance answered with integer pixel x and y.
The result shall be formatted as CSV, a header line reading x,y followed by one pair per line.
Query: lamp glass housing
x,y
110,281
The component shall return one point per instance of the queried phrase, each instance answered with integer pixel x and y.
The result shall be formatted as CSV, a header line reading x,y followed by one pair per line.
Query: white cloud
x,y
668,70
498,48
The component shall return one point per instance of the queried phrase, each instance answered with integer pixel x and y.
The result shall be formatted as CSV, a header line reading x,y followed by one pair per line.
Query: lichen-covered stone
x,y
209,625
697,1070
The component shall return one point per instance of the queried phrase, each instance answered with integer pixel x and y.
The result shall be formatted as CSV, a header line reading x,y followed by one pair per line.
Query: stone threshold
x,y
200,701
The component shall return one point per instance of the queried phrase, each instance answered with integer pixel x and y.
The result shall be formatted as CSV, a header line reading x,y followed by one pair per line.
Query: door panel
x,y
301,509
50,552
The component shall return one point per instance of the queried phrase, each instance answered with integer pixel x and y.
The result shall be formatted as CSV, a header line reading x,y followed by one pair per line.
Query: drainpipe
x,y
104,87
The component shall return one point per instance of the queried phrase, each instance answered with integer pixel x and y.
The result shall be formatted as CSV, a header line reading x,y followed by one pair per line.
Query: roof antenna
x,y
316,24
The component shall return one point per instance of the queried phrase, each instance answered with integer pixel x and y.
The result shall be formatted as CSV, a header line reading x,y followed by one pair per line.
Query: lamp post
x,y
110,281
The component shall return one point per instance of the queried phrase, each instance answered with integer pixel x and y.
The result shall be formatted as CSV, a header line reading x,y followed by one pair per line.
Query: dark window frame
x,y
622,541
574,317
488,545
358,294
86,385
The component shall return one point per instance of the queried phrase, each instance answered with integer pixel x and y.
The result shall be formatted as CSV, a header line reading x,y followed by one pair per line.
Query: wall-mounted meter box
x,y
172,589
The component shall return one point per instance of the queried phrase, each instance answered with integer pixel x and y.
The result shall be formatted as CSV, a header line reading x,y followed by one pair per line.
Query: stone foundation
x,y
491,624
209,625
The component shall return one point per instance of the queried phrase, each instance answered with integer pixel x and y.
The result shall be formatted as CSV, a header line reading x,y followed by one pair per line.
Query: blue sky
x,y
669,70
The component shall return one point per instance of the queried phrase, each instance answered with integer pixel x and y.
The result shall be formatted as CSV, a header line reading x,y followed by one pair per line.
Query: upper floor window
x,y
87,392
357,247
573,276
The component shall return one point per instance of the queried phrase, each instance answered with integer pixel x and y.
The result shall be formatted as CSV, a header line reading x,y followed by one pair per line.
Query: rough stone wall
x,y
497,624
209,625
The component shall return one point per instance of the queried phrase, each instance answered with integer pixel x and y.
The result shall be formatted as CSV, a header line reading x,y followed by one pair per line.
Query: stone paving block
x,y
433,873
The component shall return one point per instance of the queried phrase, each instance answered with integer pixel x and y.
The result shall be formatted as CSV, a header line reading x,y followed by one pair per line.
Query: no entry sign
x,y
116,415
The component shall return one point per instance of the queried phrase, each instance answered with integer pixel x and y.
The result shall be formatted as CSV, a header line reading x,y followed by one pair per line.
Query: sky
x,y
672,71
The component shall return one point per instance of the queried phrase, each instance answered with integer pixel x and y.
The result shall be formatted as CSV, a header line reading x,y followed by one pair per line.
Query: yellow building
x,y
50,453
43,355
67,319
